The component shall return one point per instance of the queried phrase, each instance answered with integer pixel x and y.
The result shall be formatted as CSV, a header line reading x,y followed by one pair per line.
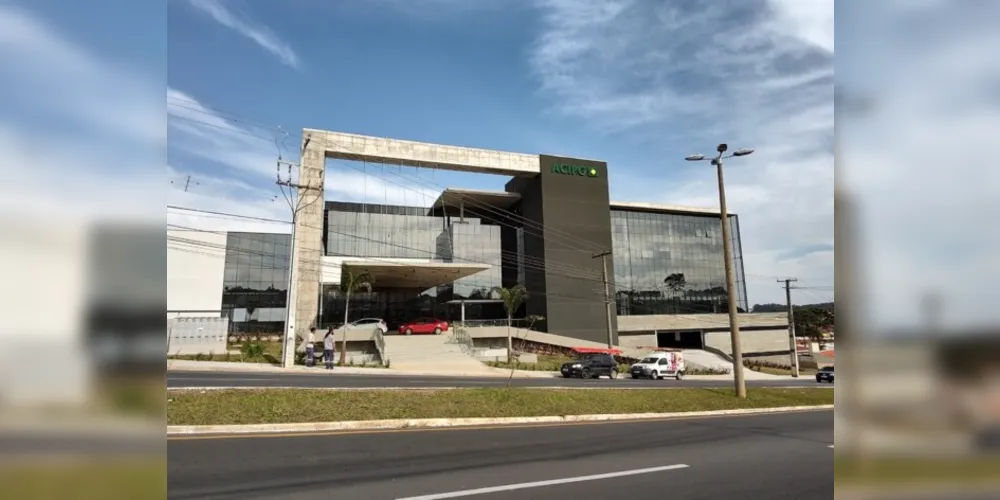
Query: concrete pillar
x,y
461,211
463,312
309,233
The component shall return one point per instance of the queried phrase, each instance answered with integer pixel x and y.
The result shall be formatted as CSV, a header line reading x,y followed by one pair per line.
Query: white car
x,y
658,365
368,324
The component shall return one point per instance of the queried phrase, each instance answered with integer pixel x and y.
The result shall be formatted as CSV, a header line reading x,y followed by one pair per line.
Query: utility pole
x,y
187,183
607,294
734,325
791,326
294,199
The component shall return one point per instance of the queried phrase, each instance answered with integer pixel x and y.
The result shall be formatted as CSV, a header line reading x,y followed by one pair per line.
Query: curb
x,y
191,430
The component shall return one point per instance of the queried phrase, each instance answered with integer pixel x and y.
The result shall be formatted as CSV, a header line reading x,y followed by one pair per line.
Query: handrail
x,y
478,323
461,337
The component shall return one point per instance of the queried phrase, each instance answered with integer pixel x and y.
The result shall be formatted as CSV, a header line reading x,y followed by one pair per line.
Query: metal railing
x,y
478,323
460,336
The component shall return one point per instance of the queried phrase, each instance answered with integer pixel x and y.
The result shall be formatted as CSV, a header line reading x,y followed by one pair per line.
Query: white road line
x,y
831,446
537,484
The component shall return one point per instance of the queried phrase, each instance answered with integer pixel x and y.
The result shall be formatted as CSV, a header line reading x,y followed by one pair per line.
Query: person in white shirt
x,y
328,343
310,348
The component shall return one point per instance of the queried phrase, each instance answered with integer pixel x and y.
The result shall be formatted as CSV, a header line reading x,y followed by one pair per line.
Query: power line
x,y
554,234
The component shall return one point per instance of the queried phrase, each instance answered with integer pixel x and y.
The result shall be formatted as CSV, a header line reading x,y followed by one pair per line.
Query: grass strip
x,y
914,470
93,478
267,406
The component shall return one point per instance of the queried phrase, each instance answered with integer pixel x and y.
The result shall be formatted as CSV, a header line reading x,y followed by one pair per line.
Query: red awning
x,y
596,350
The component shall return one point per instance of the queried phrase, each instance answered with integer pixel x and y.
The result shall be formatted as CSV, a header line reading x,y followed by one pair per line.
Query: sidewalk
x,y
223,366
444,371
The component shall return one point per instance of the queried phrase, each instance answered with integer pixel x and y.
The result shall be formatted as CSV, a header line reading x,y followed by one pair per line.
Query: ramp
x,y
431,354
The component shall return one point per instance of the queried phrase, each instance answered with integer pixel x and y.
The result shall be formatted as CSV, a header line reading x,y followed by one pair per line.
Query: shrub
x,y
252,350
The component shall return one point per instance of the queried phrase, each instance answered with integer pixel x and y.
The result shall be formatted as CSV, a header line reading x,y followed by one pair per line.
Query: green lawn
x,y
89,479
917,470
295,405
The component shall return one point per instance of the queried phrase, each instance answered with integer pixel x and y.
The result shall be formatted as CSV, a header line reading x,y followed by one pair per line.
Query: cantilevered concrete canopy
x,y
419,154
456,199
412,275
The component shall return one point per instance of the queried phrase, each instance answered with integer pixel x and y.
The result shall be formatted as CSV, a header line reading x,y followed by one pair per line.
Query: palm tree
x,y
350,283
512,299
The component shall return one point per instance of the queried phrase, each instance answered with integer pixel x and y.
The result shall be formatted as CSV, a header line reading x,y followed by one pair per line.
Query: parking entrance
x,y
681,340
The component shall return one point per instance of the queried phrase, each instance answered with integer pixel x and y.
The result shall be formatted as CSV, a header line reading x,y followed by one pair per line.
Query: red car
x,y
424,325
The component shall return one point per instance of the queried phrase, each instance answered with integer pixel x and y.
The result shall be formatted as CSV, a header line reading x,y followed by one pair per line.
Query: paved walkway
x,y
223,366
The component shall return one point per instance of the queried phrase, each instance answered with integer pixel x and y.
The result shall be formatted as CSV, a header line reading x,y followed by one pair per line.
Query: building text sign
x,y
564,169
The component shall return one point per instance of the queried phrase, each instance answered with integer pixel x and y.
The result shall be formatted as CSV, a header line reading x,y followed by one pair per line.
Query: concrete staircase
x,y
431,354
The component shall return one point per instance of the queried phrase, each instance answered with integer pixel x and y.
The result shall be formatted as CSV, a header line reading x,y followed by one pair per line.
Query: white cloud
x,y
81,136
248,154
918,163
753,74
242,24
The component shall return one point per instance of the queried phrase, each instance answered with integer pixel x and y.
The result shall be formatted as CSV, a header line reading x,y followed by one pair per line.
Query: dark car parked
x,y
825,375
591,366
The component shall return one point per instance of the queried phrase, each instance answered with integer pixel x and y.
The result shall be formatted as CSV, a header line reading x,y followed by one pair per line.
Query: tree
x,y
512,299
350,283
676,282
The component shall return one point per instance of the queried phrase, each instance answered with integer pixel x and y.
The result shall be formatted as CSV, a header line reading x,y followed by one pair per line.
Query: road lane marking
x,y
831,446
539,484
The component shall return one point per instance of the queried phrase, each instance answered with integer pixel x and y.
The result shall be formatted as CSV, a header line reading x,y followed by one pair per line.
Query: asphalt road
x,y
186,379
773,457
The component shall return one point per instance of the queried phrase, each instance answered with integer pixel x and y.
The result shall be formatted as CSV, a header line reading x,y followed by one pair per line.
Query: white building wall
x,y
196,262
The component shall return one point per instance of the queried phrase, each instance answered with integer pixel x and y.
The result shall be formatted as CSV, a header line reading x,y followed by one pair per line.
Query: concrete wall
x,y
686,322
196,262
754,342
575,223
636,340
420,154
308,245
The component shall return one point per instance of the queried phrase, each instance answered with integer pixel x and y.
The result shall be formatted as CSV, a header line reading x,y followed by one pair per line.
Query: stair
x,y
430,354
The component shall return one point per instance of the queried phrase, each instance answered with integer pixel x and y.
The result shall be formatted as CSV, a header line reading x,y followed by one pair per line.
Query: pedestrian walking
x,y
328,343
310,347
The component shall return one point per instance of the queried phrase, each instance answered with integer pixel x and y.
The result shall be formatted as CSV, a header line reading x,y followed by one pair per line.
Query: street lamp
x,y
734,325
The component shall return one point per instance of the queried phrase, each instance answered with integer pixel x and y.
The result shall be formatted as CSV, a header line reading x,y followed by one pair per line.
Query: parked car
x,y
658,365
424,326
368,324
825,375
591,365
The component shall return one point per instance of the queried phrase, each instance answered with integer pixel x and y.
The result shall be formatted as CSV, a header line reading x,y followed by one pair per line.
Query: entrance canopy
x,y
420,275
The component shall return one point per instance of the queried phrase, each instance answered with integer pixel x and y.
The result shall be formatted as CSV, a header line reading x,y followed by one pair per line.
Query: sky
x,y
636,84
86,134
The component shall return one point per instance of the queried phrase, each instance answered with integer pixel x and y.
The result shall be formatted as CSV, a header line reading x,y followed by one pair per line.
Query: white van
x,y
657,365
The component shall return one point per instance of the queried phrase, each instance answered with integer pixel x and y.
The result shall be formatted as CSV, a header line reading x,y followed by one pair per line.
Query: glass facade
x,y
255,281
395,232
664,263
669,263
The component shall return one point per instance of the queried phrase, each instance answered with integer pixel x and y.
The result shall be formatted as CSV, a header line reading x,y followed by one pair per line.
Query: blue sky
x,y
637,84
83,125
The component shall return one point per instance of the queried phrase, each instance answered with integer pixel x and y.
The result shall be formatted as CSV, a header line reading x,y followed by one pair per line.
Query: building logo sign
x,y
563,169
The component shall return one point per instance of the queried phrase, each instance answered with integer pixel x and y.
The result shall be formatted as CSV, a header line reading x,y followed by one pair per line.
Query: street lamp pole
x,y
734,325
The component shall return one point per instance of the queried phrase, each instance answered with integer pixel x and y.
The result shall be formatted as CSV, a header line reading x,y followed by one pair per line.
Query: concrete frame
x,y
318,145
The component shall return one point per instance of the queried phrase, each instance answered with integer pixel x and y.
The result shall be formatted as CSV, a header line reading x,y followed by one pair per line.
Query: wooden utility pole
x,y
791,326
607,295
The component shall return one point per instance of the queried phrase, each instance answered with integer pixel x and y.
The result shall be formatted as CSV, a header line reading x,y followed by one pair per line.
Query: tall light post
x,y
734,325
